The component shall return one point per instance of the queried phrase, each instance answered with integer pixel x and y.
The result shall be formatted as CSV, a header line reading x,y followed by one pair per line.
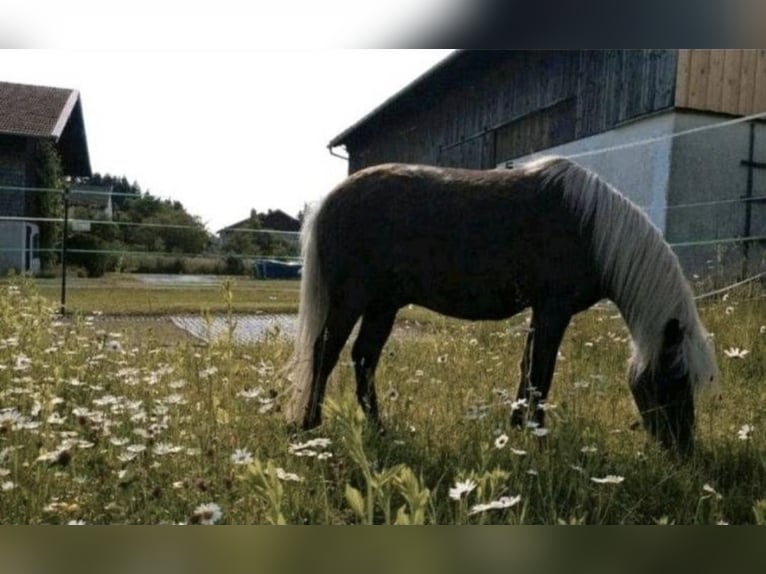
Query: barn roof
x,y
407,97
46,112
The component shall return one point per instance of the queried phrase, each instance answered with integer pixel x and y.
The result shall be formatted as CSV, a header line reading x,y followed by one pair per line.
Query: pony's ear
x,y
674,334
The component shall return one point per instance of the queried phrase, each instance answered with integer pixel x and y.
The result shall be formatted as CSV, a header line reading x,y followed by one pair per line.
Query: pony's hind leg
x,y
376,327
539,360
338,325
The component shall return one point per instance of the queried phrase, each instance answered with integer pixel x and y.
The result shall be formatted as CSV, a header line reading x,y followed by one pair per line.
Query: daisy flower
x,y
461,488
241,456
745,432
208,514
608,479
288,476
499,504
735,353
501,441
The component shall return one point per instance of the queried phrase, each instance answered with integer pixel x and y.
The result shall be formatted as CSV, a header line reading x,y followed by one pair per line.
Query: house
x,y
29,117
699,176
273,220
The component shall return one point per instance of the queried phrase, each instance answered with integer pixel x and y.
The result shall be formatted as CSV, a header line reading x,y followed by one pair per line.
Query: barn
x,y
30,116
670,128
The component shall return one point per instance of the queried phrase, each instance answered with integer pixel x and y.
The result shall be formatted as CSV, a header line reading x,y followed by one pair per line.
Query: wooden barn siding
x,y
726,81
608,87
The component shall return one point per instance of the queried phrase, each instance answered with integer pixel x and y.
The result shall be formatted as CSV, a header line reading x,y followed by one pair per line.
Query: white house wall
x,y
12,235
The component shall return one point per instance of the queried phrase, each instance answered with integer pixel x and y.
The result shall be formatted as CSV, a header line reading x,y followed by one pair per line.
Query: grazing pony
x,y
550,235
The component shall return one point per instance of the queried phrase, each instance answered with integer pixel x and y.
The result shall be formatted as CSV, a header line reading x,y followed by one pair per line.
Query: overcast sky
x,y
222,131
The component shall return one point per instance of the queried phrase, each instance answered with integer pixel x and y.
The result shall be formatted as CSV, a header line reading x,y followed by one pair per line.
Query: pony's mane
x,y
639,270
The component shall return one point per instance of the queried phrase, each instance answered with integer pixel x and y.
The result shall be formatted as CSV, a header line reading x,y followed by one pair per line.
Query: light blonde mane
x,y
639,270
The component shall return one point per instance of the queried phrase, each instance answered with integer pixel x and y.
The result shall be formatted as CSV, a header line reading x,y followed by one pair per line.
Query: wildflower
x,y
729,310
208,514
473,342
163,448
461,488
501,441
519,404
7,485
288,476
248,394
114,346
540,432
76,523
518,452
22,362
745,432
532,472
762,330
392,394
175,399
710,490
499,504
56,419
209,372
241,456
735,353
588,449
577,468
608,479
441,359
309,444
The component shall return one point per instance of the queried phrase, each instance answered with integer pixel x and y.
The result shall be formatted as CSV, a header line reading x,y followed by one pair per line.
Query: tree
x,y
47,204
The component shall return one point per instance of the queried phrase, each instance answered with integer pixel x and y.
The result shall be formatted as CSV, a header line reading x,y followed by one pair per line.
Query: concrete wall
x,y
641,173
705,167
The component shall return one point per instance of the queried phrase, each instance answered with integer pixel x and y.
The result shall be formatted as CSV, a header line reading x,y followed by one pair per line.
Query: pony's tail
x,y
311,317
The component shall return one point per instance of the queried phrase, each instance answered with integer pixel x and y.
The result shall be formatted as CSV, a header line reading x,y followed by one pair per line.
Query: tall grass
x,y
97,428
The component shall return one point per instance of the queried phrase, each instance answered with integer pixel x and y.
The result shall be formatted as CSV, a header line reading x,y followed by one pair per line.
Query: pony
x,y
488,244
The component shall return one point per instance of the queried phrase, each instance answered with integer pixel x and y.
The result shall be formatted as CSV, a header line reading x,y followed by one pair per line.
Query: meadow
x,y
102,426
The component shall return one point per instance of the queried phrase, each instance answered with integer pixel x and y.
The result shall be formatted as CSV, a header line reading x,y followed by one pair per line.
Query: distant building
x,y
30,115
485,109
273,220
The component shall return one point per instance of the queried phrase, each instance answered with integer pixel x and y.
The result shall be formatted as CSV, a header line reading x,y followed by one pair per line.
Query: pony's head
x,y
664,392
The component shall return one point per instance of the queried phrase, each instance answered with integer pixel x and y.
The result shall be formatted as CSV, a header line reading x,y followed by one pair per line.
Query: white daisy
x,y
208,514
241,456
461,488
501,441
608,479
499,504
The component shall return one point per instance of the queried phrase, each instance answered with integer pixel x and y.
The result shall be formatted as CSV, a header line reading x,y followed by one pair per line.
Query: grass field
x,y
124,294
105,426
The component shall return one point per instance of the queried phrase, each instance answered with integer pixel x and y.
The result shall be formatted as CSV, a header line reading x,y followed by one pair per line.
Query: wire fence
x,y
69,223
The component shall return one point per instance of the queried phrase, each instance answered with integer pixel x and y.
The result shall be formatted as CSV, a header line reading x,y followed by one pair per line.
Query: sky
x,y
222,131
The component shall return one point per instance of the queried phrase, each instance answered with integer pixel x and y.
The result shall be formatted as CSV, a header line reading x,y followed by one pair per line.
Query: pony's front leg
x,y
539,361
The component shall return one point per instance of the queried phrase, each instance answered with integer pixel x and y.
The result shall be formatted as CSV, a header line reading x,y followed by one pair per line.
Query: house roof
x,y
46,112
273,220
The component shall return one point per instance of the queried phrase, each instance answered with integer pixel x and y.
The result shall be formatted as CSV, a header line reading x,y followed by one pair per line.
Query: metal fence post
x,y
63,250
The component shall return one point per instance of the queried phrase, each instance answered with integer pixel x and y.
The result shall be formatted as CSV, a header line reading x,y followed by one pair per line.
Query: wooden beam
x,y
732,66
682,78
715,80
698,76
747,82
